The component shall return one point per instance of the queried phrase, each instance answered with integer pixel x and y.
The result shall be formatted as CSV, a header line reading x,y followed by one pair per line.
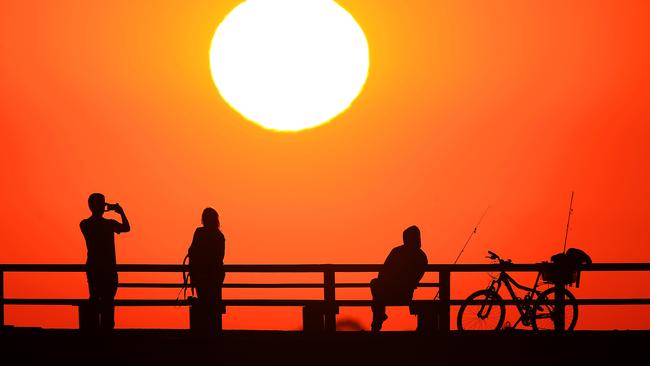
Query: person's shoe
x,y
377,323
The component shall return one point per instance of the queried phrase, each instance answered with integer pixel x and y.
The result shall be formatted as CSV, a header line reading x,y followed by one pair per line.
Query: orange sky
x,y
468,104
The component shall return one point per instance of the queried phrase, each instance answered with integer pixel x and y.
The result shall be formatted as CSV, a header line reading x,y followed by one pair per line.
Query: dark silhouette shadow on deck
x,y
177,347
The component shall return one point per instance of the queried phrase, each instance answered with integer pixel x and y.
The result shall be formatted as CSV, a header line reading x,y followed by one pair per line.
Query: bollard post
x,y
444,279
312,319
330,299
426,314
85,317
194,316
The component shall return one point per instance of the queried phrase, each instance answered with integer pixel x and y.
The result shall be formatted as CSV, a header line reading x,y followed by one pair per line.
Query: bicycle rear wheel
x,y
548,316
488,315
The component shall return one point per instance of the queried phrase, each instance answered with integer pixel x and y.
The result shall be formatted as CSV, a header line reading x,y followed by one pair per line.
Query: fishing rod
x,y
469,238
471,235
568,222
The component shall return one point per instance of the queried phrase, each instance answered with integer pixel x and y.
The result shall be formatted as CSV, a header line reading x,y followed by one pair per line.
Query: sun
x,y
289,65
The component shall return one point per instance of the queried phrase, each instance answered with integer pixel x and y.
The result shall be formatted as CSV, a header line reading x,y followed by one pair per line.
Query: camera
x,y
112,206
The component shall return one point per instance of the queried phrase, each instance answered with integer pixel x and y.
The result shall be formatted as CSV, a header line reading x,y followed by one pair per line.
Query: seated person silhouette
x,y
101,271
398,277
206,255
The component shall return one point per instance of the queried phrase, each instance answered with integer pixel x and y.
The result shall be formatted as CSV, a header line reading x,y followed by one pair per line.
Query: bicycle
x,y
554,308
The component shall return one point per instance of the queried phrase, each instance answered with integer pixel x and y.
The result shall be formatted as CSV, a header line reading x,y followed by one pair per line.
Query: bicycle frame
x,y
535,305
523,305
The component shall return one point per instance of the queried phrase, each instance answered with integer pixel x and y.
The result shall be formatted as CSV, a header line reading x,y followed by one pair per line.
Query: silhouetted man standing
x,y
101,264
399,276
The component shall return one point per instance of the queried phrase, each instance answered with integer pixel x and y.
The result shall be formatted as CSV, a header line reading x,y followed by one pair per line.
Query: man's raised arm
x,y
124,227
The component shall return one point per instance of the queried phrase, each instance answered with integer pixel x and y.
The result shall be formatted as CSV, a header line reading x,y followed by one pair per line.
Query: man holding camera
x,y
101,270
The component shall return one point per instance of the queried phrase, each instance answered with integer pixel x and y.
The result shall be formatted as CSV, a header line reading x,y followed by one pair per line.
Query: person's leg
x,y
210,302
107,306
91,317
378,305
209,315
378,316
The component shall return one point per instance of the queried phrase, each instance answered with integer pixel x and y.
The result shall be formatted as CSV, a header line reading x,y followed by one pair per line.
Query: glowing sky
x,y
508,104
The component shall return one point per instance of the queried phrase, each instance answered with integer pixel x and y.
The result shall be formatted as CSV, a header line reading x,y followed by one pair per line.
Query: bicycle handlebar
x,y
493,256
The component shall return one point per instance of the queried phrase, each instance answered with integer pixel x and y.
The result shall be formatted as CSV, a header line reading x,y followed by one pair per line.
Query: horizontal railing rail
x,y
328,284
315,268
297,268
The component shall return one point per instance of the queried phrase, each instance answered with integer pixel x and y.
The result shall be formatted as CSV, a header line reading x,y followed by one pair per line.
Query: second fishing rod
x,y
469,238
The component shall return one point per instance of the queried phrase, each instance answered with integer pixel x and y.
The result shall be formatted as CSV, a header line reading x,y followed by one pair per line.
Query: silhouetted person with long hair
x,y
101,269
206,269
398,277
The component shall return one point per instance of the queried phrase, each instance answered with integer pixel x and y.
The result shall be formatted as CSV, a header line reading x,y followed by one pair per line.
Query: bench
x,y
319,315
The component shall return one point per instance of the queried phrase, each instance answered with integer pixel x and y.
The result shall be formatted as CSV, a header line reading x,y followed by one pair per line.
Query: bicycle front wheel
x,y
482,310
552,315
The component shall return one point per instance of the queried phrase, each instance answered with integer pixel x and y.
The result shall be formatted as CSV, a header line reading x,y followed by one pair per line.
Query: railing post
x,y
445,295
85,314
330,299
2,299
560,313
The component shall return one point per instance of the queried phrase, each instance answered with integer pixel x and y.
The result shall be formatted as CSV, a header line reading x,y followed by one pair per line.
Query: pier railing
x,y
327,307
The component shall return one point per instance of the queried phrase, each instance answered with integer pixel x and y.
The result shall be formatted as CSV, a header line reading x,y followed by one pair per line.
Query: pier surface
x,y
179,347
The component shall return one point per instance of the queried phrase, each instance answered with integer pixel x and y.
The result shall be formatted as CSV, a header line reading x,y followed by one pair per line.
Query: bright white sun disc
x,y
289,64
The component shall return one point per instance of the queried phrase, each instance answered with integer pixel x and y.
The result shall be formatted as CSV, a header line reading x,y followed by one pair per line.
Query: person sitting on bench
x,y
398,277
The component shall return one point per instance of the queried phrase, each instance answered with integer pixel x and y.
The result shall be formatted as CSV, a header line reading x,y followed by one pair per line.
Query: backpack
x,y
564,269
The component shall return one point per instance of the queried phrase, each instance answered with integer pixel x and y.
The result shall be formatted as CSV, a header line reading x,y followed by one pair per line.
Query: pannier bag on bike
x,y
564,268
